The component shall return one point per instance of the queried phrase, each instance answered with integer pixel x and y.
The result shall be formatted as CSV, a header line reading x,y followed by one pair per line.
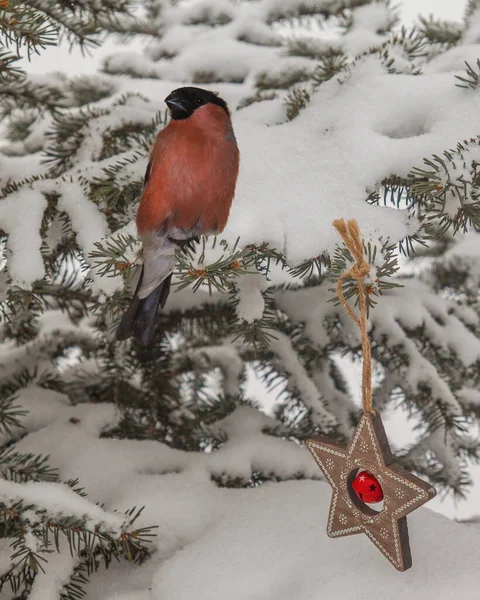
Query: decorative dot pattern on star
x,y
403,492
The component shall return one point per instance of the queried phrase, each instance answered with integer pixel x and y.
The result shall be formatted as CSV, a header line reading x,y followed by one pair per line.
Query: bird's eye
x,y
198,101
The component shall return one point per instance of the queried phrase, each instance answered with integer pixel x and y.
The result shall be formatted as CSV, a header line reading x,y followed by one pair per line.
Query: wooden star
x,y
403,492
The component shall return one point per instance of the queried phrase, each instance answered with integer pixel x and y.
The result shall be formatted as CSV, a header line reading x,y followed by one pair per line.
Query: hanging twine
x,y
350,234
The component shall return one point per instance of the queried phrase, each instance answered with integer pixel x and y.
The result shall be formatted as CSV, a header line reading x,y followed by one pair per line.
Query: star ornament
x,y
369,451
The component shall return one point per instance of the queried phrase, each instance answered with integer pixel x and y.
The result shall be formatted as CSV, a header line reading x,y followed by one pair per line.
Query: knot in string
x,y
350,234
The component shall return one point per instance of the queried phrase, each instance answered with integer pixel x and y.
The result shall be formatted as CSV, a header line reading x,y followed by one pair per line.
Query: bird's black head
x,y
183,102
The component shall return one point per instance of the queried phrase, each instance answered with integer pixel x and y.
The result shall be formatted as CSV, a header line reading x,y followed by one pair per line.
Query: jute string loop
x,y
350,234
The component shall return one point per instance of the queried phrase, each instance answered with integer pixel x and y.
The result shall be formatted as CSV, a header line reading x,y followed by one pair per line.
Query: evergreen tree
x,y
71,174
31,525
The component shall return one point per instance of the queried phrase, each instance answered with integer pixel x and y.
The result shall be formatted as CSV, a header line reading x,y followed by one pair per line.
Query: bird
x,y
188,190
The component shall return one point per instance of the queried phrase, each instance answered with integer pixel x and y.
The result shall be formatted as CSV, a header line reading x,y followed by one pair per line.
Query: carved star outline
x,y
403,492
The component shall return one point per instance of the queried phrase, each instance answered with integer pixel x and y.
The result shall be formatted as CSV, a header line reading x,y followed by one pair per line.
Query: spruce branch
x,y
259,96
438,31
21,467
232,263
295,101
384,265
329,64
9,72
282,80
66,137
217,275
22,25
112,257
308,47
21,93
255,333
19,126
36,533
472,80
307,9
448,189
10,415
312,268
74,589
82,23
86,89
412,41
393,191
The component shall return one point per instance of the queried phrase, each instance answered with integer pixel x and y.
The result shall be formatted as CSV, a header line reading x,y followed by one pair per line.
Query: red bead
x,y
367,488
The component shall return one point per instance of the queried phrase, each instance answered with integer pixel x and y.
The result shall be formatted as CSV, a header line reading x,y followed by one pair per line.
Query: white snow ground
x,y
270,543
212,543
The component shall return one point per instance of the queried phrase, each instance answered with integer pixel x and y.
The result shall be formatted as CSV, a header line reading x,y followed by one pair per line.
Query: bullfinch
x,y
188,190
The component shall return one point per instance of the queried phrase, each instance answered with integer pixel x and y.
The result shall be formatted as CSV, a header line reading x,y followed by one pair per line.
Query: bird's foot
x,y
186,245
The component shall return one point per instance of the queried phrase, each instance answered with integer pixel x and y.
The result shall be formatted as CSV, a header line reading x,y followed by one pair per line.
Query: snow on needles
x,y
20,217
275,534
297,177
59,500
249,45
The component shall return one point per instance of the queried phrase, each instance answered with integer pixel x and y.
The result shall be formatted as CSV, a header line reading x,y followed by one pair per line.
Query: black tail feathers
x,y
139,320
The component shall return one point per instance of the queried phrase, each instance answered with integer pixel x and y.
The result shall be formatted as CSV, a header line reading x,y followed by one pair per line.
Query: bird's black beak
x,y
174,102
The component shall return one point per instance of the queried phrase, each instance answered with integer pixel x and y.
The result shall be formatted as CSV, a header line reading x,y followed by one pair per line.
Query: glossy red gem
x,y
366,487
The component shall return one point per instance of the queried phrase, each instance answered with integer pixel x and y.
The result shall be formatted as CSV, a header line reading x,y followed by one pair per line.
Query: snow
x,y
470,396
298,380
128,61
251,303
73,59
443,9
90,224
352,135
224,357
276,534
464,257
59,500
62,439
48,586
253,543
453,60
20,216
357,129
248,45
473,32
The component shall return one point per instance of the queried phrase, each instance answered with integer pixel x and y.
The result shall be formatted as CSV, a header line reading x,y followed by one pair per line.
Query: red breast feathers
x,y
193,171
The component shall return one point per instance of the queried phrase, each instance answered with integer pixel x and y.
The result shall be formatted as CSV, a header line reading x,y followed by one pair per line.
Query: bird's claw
x,y
186,245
